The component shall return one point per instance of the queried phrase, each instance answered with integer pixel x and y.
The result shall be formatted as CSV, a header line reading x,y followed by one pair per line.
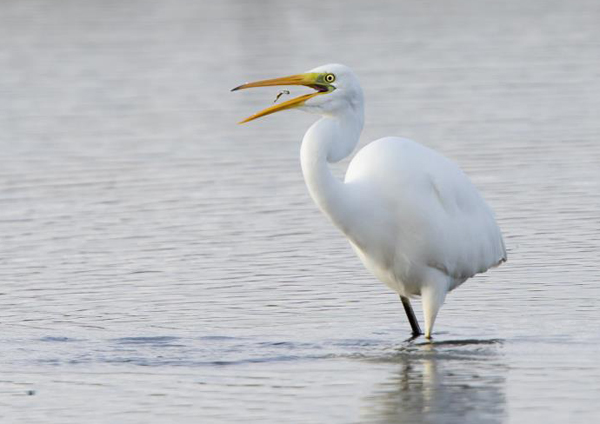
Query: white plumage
x,y
432,232
412,216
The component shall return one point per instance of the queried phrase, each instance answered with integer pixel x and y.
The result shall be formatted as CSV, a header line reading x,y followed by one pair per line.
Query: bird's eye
x,y
329,78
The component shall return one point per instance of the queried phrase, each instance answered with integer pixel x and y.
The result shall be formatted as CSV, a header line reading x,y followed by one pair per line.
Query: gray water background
x,y
160,263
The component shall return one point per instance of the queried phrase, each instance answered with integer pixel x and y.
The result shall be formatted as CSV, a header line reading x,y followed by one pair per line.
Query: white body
x,y
412,216
435,223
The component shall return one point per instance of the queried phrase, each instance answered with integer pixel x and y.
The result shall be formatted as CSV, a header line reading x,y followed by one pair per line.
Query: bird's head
x,y
336,90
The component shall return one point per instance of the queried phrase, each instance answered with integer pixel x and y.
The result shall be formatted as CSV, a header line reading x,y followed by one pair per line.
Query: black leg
x,y
412,319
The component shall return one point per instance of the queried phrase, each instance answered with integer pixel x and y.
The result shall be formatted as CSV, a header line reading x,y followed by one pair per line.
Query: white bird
x,y
413,217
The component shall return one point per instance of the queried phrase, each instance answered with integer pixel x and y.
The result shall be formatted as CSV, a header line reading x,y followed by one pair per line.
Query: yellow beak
x,y
309,80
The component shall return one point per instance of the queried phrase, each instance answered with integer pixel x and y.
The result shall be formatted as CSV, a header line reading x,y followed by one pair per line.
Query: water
x,y
161,264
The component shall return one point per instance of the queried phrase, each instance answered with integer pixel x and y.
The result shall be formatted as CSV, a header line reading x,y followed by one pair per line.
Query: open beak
x,y
309,80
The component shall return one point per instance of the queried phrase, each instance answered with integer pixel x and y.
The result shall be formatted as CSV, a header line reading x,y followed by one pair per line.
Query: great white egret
x,y
413,217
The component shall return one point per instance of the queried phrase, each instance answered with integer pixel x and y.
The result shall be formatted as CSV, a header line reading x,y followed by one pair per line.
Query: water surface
x,y
161,264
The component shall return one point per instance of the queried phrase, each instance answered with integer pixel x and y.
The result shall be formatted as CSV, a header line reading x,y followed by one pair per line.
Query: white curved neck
x,y
330,140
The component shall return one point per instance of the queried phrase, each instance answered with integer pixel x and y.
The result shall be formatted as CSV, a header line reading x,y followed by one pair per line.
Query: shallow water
x,y
160,263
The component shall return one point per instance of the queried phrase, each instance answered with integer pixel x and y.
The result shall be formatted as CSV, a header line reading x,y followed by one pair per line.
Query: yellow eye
x,y
329,78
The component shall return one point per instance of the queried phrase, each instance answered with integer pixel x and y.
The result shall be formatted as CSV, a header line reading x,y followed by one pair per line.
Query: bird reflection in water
x,y
443,382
